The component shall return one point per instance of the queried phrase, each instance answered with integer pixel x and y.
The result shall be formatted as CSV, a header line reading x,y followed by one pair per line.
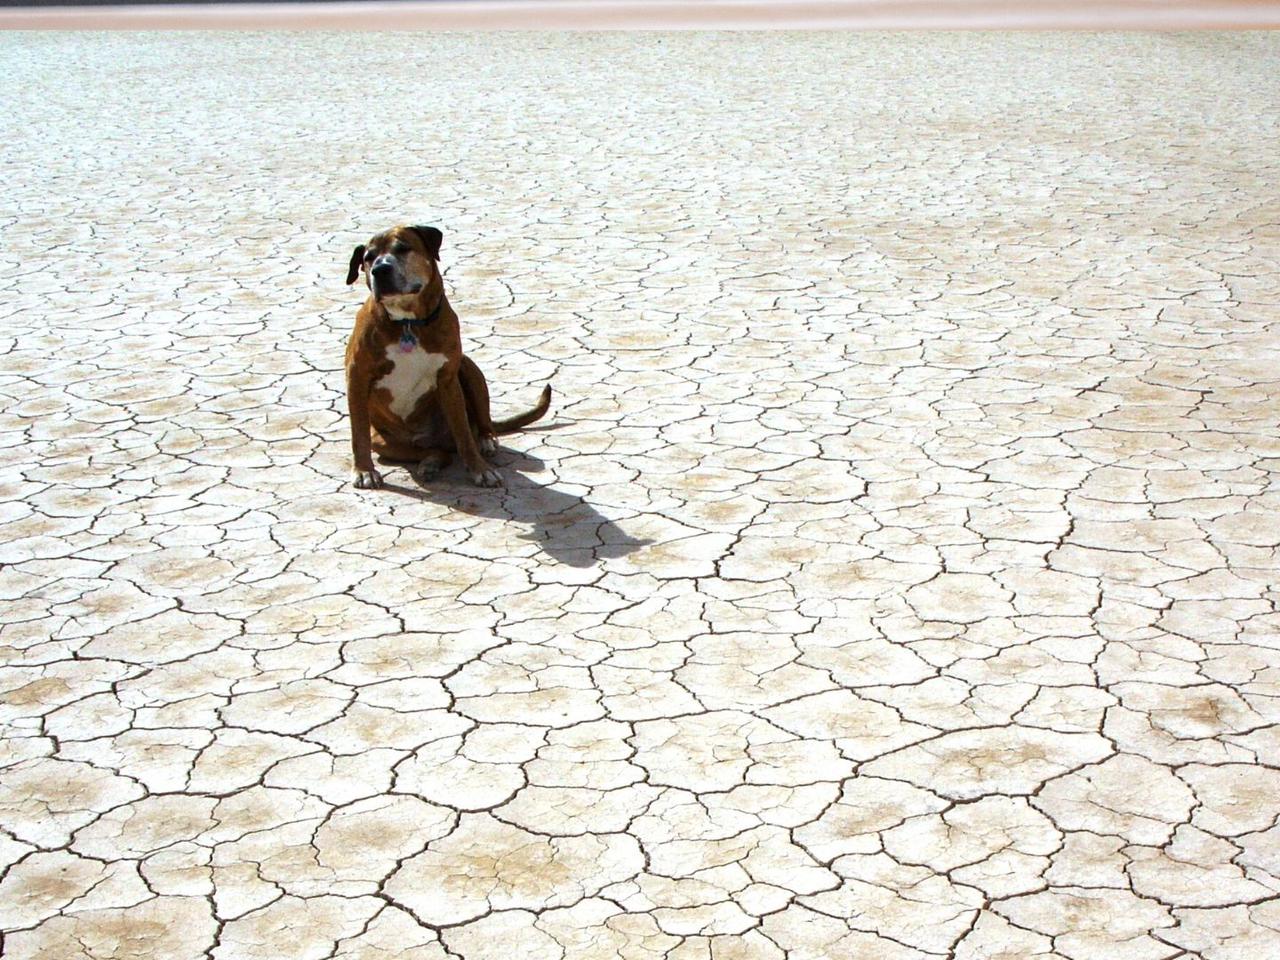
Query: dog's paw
x,y
488,444
426,469
366,479
488,477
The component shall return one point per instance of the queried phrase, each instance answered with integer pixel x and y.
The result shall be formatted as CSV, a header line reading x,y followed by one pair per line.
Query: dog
x,y
413,396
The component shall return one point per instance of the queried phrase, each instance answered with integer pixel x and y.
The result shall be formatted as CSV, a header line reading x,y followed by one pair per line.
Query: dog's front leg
x,y
455,412
364,477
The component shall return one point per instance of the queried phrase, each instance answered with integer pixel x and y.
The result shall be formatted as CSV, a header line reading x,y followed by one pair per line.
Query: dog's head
x,y
397,264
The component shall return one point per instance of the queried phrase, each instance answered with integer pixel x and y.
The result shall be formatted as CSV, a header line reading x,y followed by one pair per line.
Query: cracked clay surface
x,y
894,578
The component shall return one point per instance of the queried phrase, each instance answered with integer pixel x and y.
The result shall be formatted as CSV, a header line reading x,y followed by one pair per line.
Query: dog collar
x,y
408,342
408,322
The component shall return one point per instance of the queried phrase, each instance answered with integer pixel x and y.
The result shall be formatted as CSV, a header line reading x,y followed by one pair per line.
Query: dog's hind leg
x,y
395,449
476,393
424,461
432,462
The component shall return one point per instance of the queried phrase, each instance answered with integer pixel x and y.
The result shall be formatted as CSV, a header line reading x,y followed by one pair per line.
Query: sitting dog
x,y
413,396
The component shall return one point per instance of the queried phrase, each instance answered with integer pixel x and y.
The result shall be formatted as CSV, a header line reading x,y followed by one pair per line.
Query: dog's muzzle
x,y
384,279
388,280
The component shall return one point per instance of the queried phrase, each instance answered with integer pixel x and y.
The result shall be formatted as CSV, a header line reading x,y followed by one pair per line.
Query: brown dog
x,y
412,395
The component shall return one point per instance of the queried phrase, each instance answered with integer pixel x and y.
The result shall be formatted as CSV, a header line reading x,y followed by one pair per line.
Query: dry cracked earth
x,y
895,577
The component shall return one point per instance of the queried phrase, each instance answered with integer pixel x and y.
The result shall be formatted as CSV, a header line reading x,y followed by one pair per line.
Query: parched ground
x,y
894,579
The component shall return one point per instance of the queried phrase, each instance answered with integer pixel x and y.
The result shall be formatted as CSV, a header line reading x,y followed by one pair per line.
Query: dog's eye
x,y
368,257
400,249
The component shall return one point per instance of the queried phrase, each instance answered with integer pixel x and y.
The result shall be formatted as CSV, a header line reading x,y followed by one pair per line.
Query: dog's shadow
x,y
566,527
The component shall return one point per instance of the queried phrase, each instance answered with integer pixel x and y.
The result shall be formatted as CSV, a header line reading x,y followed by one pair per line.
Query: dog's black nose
x,y
381,269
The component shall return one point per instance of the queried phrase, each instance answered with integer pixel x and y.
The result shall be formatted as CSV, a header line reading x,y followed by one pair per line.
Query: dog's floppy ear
x,y
432,238
353,270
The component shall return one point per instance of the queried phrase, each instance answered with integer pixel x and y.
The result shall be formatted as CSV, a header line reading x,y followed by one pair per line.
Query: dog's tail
x,y
512,424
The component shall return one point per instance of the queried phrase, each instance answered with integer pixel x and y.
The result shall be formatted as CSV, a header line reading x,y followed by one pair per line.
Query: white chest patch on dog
x,y
412,375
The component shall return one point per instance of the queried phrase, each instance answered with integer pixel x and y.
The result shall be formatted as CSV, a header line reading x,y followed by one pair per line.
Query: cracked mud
x,y
895,577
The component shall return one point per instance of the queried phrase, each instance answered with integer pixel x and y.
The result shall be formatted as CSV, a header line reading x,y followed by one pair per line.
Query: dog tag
x,y
407,340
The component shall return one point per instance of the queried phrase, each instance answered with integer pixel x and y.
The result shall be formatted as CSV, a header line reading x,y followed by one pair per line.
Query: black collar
x,y
408,322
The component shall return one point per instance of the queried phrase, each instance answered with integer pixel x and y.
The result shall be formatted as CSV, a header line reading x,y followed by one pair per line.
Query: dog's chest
x,y
413,373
